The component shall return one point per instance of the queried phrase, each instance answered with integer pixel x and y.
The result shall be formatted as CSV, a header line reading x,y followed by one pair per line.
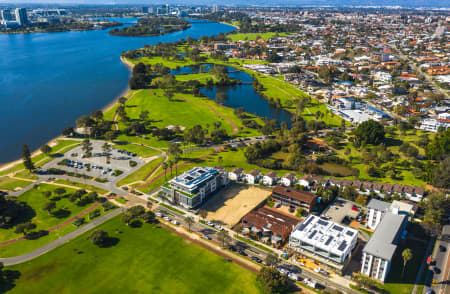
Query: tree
x,y
109,136
370,132
67,131
97,115
272,260
49,206
99,238
27,162
165,166
431,228
122,100
149,217
149,204
24,228
350,193
203,213
436,206
223,237
361,199
46,149
60,190
86,146
189,221
407,256
271,281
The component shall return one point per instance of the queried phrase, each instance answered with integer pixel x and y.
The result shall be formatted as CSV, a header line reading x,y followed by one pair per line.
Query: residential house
x,y
288,179
253,177
267,223
270,178
236,174
294,198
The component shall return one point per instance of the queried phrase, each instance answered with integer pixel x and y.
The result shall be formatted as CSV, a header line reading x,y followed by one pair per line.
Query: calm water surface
x,y
47,81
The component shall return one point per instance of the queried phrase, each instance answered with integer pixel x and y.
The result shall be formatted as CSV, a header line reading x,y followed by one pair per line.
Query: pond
x,y
240,95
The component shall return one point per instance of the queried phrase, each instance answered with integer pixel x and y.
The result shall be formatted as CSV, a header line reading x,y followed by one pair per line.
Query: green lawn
x,y
397,284
178,112
139,150
10,184
87,187
144,260
141,173
254,36
41,159
36,214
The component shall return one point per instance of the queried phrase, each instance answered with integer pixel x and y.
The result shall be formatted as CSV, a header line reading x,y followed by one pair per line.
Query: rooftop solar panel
x,y
338,228
342,246
330,238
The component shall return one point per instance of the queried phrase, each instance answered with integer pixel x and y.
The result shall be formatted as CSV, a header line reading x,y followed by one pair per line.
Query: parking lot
x,y
111,164
342,211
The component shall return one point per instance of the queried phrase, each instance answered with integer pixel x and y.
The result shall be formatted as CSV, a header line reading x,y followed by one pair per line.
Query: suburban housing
x,y
267,223
193,187
294,198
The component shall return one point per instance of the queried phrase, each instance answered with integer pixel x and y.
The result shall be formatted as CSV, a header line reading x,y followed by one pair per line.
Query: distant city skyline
x,y
388,3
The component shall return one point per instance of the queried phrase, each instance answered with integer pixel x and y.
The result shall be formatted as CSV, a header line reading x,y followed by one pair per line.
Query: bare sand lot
x,y
232,203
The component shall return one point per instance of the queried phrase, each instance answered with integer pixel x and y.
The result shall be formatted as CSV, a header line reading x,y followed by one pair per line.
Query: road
x,y
64,239
419,72
254,251
440,270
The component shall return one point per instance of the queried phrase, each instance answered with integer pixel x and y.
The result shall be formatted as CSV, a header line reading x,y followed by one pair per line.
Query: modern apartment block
x,y
380,249
21,16
377,209
194,187
324,238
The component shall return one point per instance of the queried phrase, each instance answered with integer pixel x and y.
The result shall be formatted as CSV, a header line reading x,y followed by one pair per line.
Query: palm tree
x,y
223,237
165,166
170,165
407,256
189,220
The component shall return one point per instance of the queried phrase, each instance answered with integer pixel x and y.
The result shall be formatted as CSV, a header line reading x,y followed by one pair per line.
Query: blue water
x,y
47,81
242,95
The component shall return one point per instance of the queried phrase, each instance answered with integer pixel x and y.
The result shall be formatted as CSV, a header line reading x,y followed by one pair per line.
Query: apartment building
x,y
294,198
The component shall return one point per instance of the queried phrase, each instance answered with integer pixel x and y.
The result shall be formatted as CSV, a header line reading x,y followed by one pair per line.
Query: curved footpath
x,y
52,245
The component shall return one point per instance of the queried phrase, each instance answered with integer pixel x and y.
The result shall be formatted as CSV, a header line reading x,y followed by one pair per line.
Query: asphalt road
x,y
254,251
438,276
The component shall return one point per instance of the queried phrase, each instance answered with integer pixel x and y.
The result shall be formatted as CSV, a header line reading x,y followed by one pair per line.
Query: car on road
x,y
210,223
204,236
175,222
321,271
167,218
429,291
158,214
437,270
354,208
232,248
219,227
293,276
282,270
310,283
242,252
442,248
257,259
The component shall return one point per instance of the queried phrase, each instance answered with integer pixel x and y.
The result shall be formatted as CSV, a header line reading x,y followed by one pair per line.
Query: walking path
x,y
59,226
423,264
66,238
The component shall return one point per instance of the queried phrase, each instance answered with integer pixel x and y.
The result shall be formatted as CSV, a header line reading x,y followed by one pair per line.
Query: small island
x,y
152,26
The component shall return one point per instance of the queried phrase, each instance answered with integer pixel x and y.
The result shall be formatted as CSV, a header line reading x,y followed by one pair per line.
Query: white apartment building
x,y
379,250
383,76
377,209
324,238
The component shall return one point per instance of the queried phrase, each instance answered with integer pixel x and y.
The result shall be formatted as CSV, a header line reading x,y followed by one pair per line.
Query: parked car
x,y
354,208
254,258
158,214
175,222
442,248
204,236
242,252
293,276
210,223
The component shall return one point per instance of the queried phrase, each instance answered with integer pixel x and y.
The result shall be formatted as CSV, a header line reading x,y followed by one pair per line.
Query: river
x,y
48,80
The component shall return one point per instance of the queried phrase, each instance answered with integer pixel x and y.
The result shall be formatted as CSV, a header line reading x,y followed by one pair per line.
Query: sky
x,y
404,3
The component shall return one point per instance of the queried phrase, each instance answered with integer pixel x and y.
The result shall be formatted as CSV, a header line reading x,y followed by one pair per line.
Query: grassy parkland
x,y
149,259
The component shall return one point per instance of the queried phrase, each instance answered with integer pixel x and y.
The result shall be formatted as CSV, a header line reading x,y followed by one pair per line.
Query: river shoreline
x,y
54,141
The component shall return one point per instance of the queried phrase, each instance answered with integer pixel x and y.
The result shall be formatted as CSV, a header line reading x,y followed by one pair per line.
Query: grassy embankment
x,y
145,260
36,200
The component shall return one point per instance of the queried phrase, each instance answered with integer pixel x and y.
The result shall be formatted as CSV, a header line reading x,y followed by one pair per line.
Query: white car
x,y
282,270
219,227
210,223
309,282
204,236
158,214
167,218
175,222
293,276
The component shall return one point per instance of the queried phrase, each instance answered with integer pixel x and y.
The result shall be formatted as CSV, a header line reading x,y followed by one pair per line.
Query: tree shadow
x,y
390,142
110,242
8,280
61,213
136,223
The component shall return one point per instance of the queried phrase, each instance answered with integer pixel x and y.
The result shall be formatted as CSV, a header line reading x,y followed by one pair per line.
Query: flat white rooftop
x,y
325,234
194,177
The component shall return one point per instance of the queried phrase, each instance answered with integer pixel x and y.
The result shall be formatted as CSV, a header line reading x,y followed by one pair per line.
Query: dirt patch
x,y
38,273
232,203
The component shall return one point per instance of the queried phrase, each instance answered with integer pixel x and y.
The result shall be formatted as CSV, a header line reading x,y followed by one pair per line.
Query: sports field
x,y
149,259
